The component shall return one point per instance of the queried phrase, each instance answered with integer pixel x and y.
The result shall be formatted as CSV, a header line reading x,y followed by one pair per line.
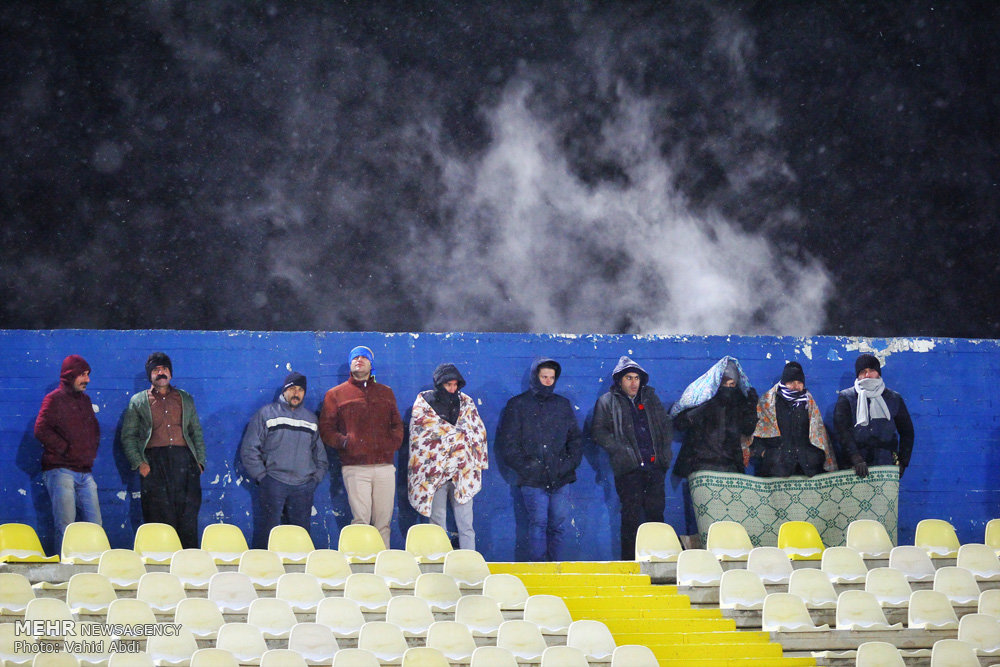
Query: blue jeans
x,y
73,495
548,516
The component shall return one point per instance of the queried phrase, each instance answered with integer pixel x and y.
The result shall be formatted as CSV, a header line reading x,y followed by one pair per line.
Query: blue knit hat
x,y
361,351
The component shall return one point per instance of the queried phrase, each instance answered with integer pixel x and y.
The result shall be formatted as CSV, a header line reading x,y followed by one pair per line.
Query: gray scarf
x,y
870,389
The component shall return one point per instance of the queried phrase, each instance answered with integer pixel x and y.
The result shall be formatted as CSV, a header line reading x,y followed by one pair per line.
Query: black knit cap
x,y
294,379
792,373
866,361
158,359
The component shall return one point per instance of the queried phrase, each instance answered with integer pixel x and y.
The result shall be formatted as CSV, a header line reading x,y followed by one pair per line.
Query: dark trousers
x,y
281,503
171,492
642,497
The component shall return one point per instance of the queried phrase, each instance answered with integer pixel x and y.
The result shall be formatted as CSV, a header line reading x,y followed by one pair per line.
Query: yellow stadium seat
x,y
983,631
89,645
980,560
912,561
301,590
741,589
194,567
201,616
549,613
329,566
161,590
771,564
369,590
507,590
953,653
122,567
90,593
860,610
156,543
814,587
263,566
411,614
225,542
231,591
523,639
889,586
698,567
784,612
634,655
989,602
15,593
728,540
593,638
282,657
129,611
800,540
937,537
452,639
272,616
244,641
428,542
958,584
563,656
399,568
878,654
169,650
355,657
492,656
291,542
314,642
48,609
991,535
20,544
342,615
869,538
480,613
60,659
83,543
384,640
360,543
122,659
424,656
657,542
467,567
213,657
438,589
931,610
843,565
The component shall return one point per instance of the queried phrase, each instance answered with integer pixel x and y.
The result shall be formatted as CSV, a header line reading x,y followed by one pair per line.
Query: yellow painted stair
x,y
638,612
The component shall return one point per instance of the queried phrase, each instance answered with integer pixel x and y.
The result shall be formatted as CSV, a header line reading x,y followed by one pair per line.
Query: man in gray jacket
x,y
282,452
632,425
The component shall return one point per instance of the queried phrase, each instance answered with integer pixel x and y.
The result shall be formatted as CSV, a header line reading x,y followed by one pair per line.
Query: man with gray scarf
x,y
872,422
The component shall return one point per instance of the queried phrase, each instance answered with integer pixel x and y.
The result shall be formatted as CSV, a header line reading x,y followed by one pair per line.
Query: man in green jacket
x,y
161,437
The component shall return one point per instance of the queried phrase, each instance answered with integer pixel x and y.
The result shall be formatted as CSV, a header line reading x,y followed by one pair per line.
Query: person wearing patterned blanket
x,y
718,414
447,453
790,438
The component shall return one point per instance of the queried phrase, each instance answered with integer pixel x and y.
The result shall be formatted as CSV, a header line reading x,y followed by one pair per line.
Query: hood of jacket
x,y
537,388
73,367
624,366
447,373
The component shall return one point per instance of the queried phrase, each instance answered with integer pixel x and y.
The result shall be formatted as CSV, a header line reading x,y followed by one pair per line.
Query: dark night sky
x,y
655,167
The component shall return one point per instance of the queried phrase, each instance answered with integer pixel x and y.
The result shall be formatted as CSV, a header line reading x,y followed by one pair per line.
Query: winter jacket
x,y
714,432
66,425
875,443
613,428
283,443
539,437
360,420
137,428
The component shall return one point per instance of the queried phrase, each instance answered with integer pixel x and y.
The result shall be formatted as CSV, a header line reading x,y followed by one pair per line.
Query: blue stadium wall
x,y
952,389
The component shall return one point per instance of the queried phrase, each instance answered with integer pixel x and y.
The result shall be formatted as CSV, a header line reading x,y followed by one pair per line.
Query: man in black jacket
x,y
631,424
540,440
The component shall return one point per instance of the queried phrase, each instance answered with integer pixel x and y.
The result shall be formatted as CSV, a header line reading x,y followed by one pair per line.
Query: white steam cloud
x,y
533,247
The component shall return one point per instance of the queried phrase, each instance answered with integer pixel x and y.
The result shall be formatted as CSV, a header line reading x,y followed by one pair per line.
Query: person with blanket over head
x,y
790,438
447,453
877,430
718,415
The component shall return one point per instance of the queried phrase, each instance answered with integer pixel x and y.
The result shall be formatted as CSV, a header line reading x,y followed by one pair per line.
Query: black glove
x,y
901,469
861,469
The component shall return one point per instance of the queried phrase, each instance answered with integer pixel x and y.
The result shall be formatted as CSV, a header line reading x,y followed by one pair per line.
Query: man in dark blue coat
x,y
877,430
540,440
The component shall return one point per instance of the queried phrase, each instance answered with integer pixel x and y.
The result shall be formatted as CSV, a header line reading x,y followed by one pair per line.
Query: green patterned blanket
x,y
829,501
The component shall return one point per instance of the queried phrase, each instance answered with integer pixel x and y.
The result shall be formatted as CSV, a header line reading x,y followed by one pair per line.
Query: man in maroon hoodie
x,y
360,420
68,430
